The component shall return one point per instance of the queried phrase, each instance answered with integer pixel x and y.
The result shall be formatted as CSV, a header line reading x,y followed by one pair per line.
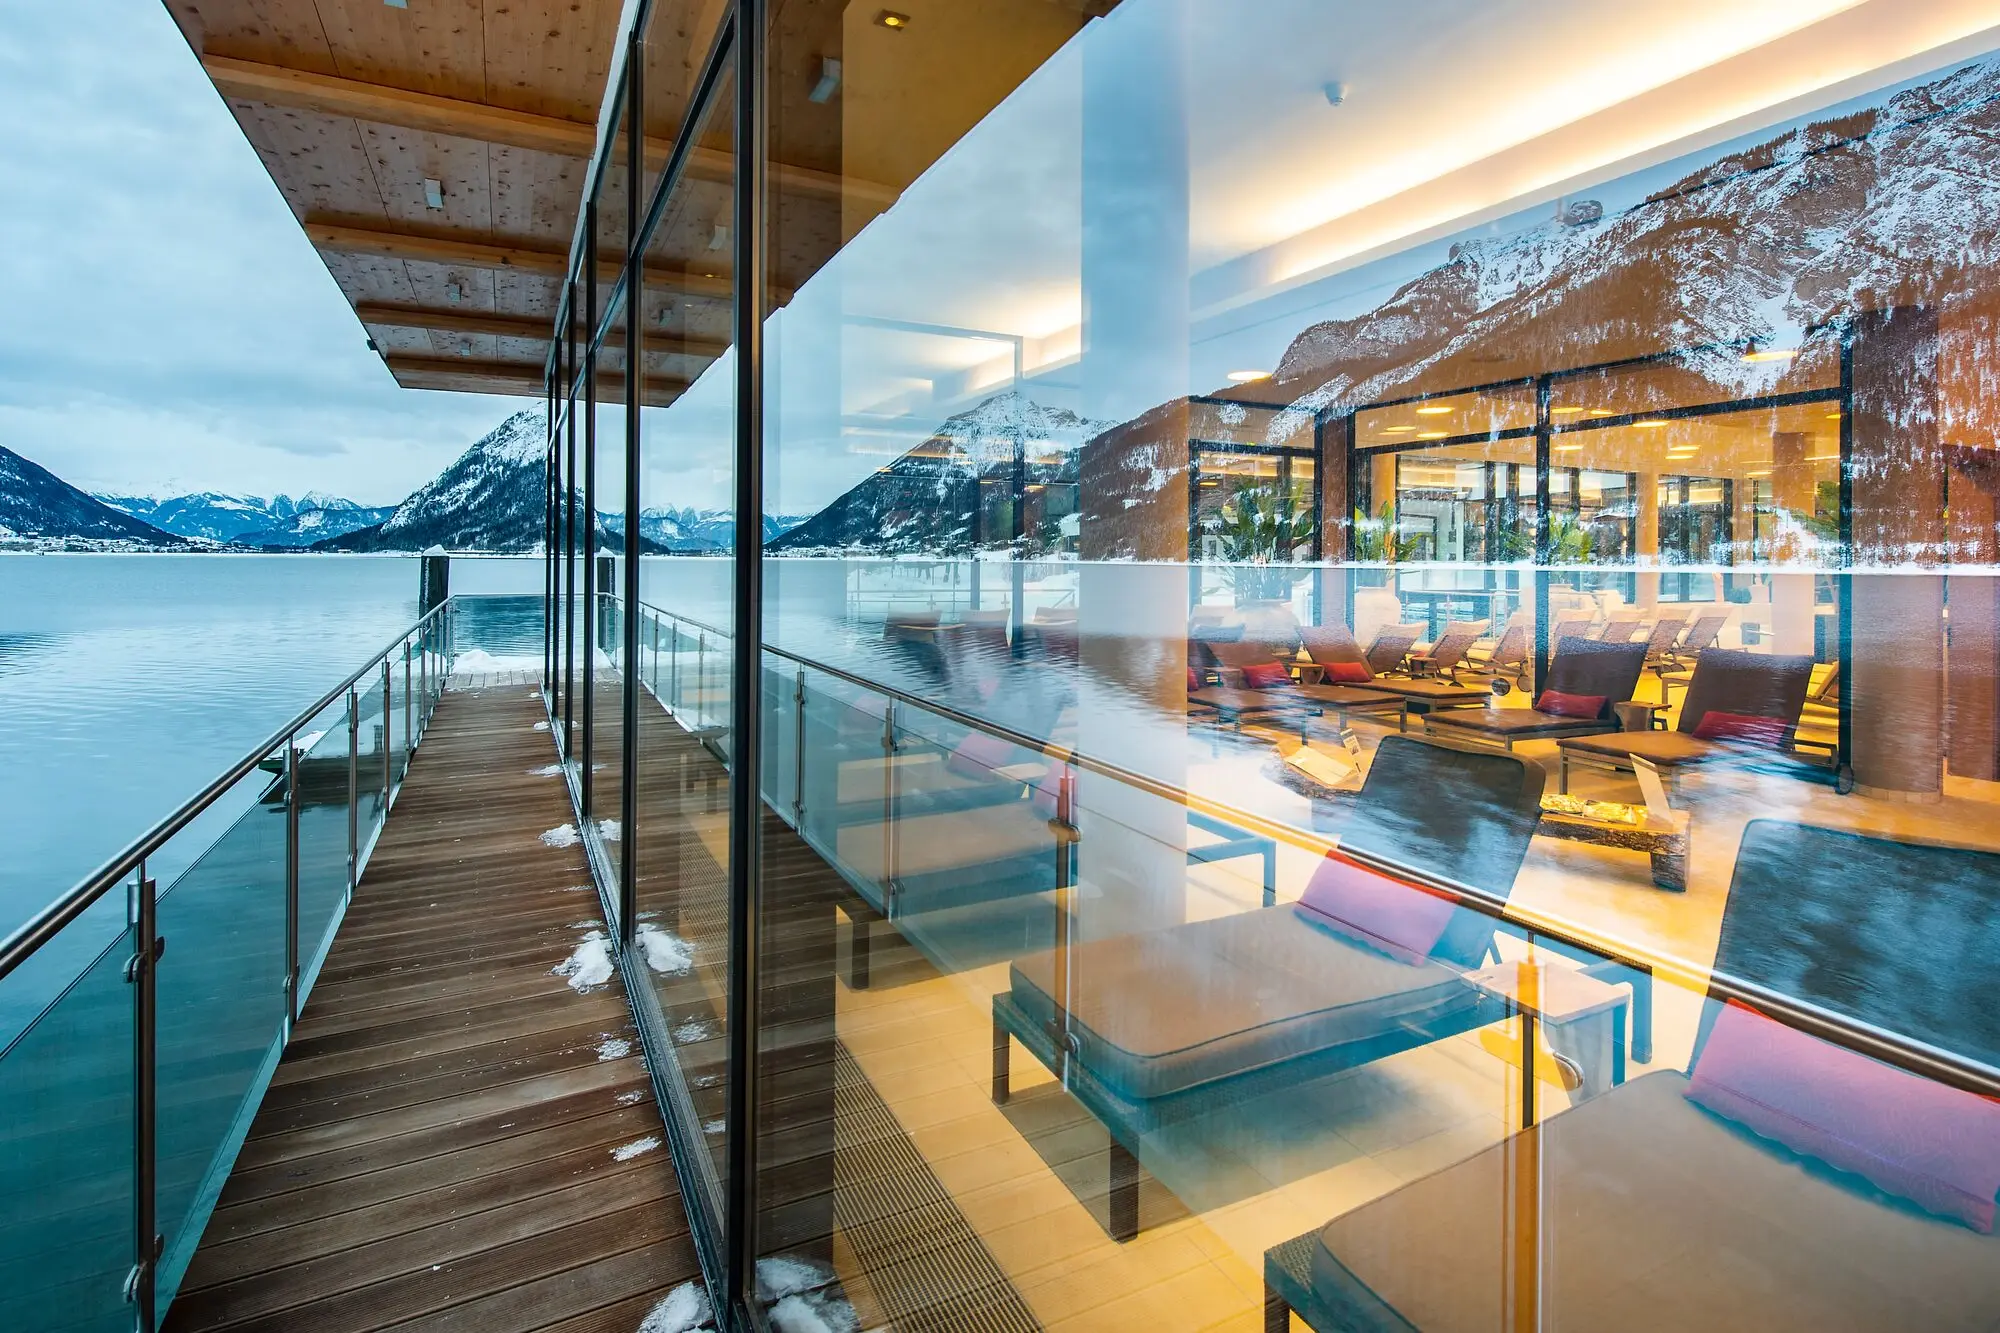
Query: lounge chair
x,y
1151,1028
1507,657
1674,665
1330,645
1444,657
1583,668
1231,702
1623,627
1739,705
1392,643
1238,699
1656,1213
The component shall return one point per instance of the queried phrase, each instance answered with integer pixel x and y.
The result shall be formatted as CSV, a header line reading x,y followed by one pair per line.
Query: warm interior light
x,y
1569,449
1600,412
1833,416
1435,410
1765,473
889,18
1564,411
1431,435
1654,424
1770,353
1822,458
1249,376
1397,430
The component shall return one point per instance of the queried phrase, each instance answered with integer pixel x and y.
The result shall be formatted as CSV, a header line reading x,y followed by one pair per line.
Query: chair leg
x,y
1562,772
1123,1203
1003,1055
857,953
1277,1314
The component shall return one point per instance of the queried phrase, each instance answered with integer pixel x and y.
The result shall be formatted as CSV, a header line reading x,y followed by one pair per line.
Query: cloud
x,y
168,322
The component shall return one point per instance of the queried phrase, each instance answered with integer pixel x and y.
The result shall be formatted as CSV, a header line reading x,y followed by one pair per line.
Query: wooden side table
x,y
1664,839
1584,1018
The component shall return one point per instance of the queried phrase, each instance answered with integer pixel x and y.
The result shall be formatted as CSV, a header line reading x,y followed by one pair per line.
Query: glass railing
x,y
129,1084
1359,1007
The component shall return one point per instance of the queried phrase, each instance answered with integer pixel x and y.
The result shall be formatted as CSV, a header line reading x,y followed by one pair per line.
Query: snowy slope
x,y
490,499
40,508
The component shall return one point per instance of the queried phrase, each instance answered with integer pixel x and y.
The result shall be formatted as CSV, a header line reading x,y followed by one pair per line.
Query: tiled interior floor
x,y
1225,1189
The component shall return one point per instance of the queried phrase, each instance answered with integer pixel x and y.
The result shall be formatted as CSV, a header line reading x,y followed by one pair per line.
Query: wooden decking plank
x,y
442,1140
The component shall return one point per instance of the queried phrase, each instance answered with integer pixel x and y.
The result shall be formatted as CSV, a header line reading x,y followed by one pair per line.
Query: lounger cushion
x,y
1935,1145
1393,915
1265,675
1719,726
1165,1010
1350,696
1662,749
1348,673
1570,705
1657,1215
1230,700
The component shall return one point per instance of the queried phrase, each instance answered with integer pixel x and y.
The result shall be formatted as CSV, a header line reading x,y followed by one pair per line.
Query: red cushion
x,y
1403,920
1265,675
1558,704
1937,1146
1348,673
979,754
1717,726
1194,680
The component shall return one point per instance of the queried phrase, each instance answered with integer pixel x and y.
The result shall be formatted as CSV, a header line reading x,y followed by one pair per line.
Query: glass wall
x,y
1374,693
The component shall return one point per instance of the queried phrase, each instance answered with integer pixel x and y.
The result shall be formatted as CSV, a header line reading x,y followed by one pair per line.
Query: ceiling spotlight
x,y
829,81
718,238
1654,424
1436,410
1248,376
1765,473
1569,448
1751,352
433,193
889,18
1336,92
397,4
1430,435
454,293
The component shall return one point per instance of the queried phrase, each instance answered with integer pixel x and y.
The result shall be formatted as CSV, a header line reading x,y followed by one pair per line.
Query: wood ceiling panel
x,y
536,196
369,277
431,286
432,46
526,294
409,342
285,32
551,58
319,163
405,159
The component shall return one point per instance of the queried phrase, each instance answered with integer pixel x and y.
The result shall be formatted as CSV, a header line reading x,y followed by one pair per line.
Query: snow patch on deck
x,y
589,965
636,1148
564,835
614,1048
665,952
684,1310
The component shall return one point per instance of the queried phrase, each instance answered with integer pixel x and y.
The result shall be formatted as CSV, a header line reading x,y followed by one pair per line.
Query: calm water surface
x,y
128,682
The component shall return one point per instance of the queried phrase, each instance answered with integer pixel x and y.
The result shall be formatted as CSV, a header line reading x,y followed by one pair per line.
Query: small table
x,y
1638,715
1585,1019
1665,839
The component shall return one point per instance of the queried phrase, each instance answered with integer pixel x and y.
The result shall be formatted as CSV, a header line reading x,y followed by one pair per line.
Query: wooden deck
x,y
456,1137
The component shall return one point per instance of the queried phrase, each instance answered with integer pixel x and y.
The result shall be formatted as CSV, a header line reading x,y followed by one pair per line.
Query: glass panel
x,y
608,715
323,833
67,1185
612,196
1483,412
685,581
222,1007
677,42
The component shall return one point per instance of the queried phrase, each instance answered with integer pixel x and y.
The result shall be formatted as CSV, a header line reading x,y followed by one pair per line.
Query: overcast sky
x,y
166,325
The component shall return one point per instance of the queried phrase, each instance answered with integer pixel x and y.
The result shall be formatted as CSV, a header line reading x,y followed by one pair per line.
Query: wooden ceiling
x,y
354,105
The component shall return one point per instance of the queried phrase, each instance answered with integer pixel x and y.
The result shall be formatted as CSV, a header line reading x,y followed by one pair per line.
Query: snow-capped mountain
x,y
490,499
315,523
38,508
248,519
692,530
928,499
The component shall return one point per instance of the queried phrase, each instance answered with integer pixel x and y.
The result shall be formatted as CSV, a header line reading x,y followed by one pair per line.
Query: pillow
x,y
1558,704
1718,726
1402,920
1348,673
1265,676
979,754
1194,680
1936,1146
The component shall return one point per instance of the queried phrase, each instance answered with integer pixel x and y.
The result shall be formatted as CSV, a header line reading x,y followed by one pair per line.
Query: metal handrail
x,y
45,925
1895,1048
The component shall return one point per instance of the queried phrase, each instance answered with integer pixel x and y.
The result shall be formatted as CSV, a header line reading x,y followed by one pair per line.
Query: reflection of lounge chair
x,y
1239,698
1656,1213
1509,654
1739,704
1329,645
1392,643
1623,627
1444,657
1167,1024
1583,668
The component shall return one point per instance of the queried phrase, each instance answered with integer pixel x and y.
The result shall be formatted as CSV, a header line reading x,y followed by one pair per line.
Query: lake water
x,y
128,682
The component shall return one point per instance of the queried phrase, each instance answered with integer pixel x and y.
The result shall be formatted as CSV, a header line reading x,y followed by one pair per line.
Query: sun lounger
x,y
1392,643
1658,1213
1740,705
1444,657
1329,645
1151,1028
1508,656
1608,672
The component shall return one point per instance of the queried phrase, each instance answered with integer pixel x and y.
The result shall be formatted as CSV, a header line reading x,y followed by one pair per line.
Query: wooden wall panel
x,y
404,159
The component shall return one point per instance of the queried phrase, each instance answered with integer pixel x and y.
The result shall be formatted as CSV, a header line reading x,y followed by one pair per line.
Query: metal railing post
x,y
291,881
353,789
674,671
889,840
799,750
409,724
388,740
141,973
700,676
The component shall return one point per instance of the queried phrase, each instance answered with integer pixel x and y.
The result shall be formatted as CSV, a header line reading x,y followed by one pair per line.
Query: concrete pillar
x,y
433,580
1793,488
1898,515
1133,590
1646,590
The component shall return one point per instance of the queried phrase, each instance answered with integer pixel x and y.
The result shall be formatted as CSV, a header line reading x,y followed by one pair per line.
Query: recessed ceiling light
x,y
433,193
889,18
829,82
1822,458
1765,473
1600,412
1755,353
1569,448
1431,435
1564,411
454,293
1833,416
1436,410
1249,376
1653,424
1397,430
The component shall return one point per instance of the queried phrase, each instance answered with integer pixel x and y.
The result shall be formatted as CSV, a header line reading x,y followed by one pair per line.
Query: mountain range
x,y
249,520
